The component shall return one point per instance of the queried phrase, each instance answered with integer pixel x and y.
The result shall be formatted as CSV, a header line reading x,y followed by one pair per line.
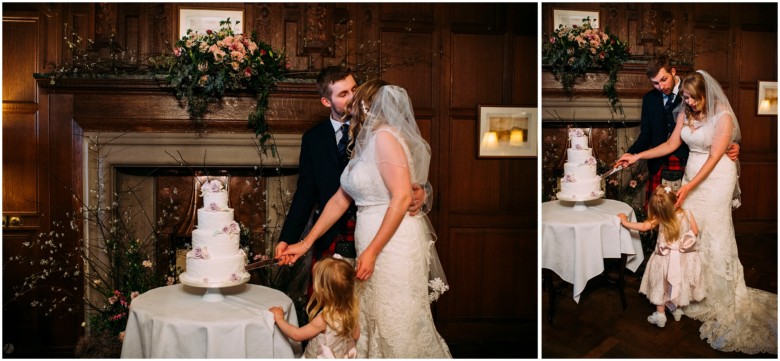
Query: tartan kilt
x,y
673,163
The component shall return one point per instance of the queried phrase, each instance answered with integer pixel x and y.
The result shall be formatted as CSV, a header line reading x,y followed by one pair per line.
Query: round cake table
x,y
575,242
175,322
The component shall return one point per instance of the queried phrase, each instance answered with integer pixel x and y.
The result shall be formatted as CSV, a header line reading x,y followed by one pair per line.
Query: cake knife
x,y
261,264
613,171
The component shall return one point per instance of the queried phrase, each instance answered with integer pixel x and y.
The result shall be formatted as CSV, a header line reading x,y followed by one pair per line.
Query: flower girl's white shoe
x,y
658,319
677,313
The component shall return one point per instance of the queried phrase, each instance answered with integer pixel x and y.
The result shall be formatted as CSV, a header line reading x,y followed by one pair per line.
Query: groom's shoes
x,y
658,319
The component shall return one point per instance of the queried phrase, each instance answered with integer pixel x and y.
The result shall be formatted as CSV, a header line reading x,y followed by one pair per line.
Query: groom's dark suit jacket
x,y
318,179
656,126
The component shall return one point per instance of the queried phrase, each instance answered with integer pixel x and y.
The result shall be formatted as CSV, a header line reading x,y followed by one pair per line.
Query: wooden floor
x,y
598,327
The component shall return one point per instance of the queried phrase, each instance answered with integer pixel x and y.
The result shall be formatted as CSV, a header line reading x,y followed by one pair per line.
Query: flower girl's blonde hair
x,y
661,210
334,295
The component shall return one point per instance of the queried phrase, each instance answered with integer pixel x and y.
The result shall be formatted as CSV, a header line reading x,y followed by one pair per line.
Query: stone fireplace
x,y
153,180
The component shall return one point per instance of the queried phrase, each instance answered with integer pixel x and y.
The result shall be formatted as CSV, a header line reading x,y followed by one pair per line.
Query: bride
x,y
395,251
734,317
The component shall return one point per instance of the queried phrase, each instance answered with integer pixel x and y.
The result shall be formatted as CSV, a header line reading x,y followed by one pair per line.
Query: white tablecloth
x,y
575,242
174,322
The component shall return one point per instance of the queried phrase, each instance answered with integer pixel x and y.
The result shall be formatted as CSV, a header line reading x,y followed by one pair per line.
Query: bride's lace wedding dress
x,y
735,317
395,314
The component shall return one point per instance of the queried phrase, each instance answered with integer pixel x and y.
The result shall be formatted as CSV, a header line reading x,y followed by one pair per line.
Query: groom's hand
x,y
418,198
733,151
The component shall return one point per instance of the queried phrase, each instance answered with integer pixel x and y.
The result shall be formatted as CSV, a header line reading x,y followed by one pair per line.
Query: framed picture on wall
x,y
505,131
201,20
767,98
574,17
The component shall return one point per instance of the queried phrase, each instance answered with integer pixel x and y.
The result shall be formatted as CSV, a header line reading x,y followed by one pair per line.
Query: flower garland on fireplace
x,y
207,65
572,51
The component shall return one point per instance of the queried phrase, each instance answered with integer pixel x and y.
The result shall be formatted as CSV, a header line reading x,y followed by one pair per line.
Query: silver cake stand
x,y
213,293
579,202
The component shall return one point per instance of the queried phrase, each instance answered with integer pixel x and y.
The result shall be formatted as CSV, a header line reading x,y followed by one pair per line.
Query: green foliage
x,y
572,51
207,65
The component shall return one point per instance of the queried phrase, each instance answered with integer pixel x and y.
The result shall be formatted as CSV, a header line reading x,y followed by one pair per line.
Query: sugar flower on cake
x,y
576,132
590,161
212,186
213,207
234,277
200,253
232,228
569,178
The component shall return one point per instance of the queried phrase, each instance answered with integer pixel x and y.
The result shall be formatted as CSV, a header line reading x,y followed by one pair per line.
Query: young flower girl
x,y
333,311
673,274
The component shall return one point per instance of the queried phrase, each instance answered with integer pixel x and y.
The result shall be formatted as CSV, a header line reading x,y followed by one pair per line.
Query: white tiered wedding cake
x,y
580,181
215,258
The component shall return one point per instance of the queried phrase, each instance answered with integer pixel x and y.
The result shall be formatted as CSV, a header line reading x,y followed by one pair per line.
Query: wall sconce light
x,y
516,138
490,140
764,105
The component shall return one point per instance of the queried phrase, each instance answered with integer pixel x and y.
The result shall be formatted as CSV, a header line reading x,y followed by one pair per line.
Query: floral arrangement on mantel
x,y
572,51
207,65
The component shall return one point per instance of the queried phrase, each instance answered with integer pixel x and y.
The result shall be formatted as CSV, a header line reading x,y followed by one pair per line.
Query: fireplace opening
x,y
160,204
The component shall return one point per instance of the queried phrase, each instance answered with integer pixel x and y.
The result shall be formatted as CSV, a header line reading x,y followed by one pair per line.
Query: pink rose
x,y
234,277
112,300
214,207
234,228
215,185
177,51
632,183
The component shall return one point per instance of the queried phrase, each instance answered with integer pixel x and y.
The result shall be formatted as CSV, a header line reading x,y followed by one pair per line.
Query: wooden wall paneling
x,y
18,69
525,80
502,283
474,185
25,181
21,178
476,78
51,36
158,29
479,18
411,14
64,179
80,18
20,324
756,47
713,53
401,51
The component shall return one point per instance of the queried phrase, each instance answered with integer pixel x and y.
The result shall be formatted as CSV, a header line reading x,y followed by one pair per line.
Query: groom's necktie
x,y
669,101
342,143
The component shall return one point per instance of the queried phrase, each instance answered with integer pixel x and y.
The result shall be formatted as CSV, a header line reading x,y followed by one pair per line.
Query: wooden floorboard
x,y
598,327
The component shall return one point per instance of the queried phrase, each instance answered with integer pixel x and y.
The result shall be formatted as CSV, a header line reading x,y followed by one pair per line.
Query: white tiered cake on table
x,y
580,182
215,259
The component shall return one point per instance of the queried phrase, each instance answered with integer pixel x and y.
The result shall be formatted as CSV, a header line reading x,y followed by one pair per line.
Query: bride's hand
x,y
627,159
292,253
681,194
365,266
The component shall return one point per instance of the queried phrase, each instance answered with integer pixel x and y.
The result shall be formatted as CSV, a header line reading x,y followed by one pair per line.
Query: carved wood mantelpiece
x,y
147,104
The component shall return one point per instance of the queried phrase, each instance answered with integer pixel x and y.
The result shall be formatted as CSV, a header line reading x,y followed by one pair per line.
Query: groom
x,y
657,124
323,158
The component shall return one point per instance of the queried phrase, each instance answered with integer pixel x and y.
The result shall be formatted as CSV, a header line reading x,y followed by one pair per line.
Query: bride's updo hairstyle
x,y
359,106
696,88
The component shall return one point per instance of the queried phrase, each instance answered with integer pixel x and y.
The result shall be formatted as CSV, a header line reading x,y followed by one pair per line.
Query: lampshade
x,y
490,140
764,105
516,137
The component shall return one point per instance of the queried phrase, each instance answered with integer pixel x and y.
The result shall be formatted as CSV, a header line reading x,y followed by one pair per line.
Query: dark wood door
x,y
27,205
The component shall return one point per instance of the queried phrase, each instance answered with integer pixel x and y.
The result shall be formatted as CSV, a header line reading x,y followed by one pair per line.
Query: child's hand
x,y
623,217
278,313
